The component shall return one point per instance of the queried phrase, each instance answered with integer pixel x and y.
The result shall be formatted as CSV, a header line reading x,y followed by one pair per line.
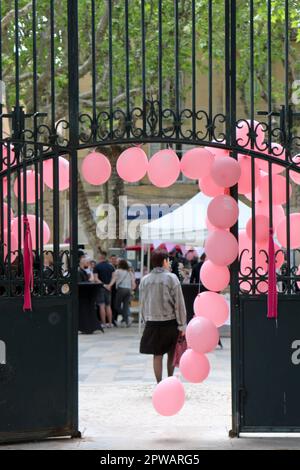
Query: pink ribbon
x,y
272,291
28,266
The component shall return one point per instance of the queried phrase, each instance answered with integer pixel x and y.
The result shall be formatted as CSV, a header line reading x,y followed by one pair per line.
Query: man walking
x,y
103,273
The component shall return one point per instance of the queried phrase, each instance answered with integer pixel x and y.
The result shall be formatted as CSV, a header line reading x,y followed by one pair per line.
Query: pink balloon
x,y
277,152
13,246
5,156
164,168
221,247
132,164
63,172
209,187
194,366
261,228
212,306
261,252
279,256
4,186
197,163
168,397
262,287
5,215
258,197
226,172
32,224
242,134
218,152
278,189
213,277
245,181
262,208
96,168
223,211
295,176
30,186
294,231
245,251
210,227
202,335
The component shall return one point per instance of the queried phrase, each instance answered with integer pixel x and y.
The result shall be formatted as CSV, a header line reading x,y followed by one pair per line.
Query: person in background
x,y
103,272
163,310
195,276
174,263
135,285
93,264
85,274
124,281
48,273
113,259
80,254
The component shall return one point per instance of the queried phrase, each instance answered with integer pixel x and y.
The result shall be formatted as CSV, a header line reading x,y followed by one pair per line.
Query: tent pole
x,y
148,258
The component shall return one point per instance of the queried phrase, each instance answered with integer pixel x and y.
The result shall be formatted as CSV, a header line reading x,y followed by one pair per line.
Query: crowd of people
x,y
117,283
116,286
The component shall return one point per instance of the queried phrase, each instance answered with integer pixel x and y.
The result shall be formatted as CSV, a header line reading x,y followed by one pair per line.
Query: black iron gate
x,y
85,74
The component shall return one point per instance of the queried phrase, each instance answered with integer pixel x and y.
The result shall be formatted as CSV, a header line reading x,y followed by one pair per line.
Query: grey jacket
x,y
161,298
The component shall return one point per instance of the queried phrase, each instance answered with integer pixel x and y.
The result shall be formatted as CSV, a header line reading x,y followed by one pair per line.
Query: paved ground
x,y
116,412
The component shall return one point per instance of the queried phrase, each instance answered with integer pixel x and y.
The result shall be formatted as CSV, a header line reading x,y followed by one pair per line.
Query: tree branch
x,y
10,17
99,85
116,100
101,29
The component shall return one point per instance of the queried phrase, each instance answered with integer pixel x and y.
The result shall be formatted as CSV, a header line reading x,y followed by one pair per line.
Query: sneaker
x,y
129,323
103,325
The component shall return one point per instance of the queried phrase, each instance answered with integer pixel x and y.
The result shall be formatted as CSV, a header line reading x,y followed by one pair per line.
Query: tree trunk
x,y
86,219
112,191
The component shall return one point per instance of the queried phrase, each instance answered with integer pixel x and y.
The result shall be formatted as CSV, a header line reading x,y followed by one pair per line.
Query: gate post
x,y
73,78
231,140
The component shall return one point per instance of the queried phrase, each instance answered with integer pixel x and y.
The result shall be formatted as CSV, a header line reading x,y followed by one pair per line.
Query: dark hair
x,y
203,257
158,257
123,265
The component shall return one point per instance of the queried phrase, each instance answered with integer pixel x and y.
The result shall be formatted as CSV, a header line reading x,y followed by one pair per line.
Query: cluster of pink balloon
x,y
210,308
221,247
33,180
14,232
198,163
34,187
163,169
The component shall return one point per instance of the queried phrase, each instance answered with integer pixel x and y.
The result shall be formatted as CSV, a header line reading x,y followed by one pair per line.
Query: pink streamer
x,y
272,291
28,266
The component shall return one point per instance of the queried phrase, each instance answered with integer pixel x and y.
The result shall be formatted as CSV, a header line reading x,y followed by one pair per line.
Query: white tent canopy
x,y
187,224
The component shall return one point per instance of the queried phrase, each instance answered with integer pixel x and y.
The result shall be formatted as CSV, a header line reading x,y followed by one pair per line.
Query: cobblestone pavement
x,y
116,412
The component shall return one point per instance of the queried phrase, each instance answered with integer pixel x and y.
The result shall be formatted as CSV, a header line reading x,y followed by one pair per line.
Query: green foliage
x,y
135,48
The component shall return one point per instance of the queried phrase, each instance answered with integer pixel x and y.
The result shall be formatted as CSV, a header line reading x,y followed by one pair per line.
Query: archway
x,y
40,131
